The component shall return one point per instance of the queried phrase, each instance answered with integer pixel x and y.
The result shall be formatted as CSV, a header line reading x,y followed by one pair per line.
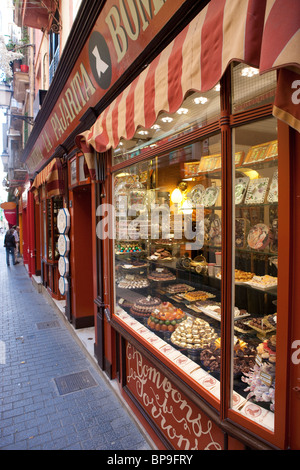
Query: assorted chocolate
x,y
161,274
143,307
243,357
133,282
193,333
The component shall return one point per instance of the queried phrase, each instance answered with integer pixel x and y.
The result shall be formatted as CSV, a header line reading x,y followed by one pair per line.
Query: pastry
x,y
263,282
197,295
242,276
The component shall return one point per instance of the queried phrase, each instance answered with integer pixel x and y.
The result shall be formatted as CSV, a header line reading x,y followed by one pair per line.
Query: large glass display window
x,y
168,242
255,271
255,250
168,247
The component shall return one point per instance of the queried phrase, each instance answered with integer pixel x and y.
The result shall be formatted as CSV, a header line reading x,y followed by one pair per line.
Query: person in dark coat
x,y
10,245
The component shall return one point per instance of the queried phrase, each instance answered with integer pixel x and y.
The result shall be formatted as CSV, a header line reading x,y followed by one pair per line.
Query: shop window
x,y
197,110
53,206
73,172
44,251
168,254
82,173
78,172
255,271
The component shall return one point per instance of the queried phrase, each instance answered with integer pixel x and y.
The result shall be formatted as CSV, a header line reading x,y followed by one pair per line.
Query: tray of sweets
x,y
240,277
214,311
178,288
134,265
263,282
197,295
241,327
259,325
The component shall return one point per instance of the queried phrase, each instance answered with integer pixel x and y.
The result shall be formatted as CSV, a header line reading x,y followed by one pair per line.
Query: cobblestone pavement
x,y
39,405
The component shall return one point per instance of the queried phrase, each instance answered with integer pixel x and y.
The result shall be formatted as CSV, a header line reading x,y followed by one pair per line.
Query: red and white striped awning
x,y
261,33
52,177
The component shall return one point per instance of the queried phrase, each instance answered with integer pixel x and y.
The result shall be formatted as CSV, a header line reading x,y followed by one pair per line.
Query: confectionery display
x,y
193,333
243,357
261,325
261,377
242,276
133,282
166,317
134,264
160,275
263,282
143,307
176,283
161,254
197,295
127,248
178,288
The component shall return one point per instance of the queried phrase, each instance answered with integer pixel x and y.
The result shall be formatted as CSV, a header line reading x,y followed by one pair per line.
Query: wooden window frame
x,y
220,411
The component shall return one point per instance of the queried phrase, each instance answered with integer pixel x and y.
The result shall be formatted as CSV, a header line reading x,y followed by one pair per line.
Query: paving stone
x,y
39,348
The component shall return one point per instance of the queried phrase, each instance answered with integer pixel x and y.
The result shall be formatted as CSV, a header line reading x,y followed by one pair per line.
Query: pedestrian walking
x,y
10,245
17,238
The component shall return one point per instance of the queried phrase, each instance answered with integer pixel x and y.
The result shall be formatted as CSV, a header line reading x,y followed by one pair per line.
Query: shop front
x,y
196,233
170,142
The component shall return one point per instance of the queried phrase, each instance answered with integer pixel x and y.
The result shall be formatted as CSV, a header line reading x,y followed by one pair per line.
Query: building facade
x,y
162,209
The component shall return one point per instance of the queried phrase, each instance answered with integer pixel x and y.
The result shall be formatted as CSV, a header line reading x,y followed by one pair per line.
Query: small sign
x,y
63,266
63,245
63,285
63,221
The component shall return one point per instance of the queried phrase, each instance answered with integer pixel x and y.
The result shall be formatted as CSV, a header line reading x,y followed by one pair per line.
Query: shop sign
x,y
121,33
63,285
63,244
184,425
63,221
63,266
